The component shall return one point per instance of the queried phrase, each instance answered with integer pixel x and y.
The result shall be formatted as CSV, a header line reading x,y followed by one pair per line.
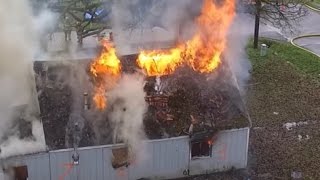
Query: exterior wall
x,y
164,158
90,164
37,164
229,150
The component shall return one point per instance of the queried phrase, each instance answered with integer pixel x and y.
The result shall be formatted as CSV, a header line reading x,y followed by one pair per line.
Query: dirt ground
x,y
279,94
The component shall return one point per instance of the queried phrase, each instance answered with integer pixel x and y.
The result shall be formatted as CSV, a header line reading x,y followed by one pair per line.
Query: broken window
x,y
20,173
201,149
120,157
201,143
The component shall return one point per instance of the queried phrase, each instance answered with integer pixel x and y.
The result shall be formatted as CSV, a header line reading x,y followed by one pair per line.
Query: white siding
x,y
165,158
229,150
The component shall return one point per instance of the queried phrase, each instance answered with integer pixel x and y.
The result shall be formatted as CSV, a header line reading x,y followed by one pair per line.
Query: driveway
x,y
309,25
311,43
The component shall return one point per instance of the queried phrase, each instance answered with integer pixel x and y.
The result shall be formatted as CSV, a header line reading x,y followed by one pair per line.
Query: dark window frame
x,y
203,149
21,172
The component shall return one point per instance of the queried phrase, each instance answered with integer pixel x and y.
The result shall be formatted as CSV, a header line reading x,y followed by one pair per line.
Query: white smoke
x,y
235,53
154,28
19,40
237,59
127,108
15,146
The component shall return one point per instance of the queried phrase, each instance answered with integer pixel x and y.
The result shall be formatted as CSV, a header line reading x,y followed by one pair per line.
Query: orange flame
x,y
105,70
99,97
107,62
160,62
202,52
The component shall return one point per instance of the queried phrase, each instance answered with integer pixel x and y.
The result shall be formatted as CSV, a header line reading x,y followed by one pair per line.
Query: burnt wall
x,y
56,97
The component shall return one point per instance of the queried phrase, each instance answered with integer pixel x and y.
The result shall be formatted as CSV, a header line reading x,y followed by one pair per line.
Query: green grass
x,y
287,81
314,3
300,59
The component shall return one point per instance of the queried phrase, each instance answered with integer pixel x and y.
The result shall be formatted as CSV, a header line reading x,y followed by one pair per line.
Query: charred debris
x,y
184,103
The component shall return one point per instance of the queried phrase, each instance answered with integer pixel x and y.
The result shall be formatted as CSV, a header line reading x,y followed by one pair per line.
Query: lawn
x,y
303,61
314,3
286,81
285,87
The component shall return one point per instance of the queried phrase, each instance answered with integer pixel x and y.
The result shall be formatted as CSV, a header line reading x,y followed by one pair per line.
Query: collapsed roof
x,y
61,87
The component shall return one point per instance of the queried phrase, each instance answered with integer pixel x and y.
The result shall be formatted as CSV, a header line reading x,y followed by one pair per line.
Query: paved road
x,y
310,25
311,43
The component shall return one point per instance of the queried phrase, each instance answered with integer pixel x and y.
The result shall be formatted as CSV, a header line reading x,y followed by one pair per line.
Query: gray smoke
x,y
235,53
151,24
127,107
19,41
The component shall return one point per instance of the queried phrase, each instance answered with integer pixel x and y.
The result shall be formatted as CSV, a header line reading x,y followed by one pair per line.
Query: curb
x,y
312,8
304,36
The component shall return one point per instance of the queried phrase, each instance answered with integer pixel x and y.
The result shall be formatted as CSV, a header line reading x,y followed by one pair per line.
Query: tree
x,y
87,17
280,13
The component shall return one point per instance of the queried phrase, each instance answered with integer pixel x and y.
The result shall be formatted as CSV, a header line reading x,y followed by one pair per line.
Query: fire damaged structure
x,y
156,114
189,133
166,158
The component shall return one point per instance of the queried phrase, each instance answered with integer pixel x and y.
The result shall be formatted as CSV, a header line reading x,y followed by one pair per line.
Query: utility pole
x,y
256,25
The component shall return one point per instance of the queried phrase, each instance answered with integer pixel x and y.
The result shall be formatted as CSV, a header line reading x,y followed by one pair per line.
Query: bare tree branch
x,y
283,14
77,10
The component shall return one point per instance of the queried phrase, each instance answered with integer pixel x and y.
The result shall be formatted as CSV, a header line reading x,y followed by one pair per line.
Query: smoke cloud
x,y
235,53
151,24
19,41
126,110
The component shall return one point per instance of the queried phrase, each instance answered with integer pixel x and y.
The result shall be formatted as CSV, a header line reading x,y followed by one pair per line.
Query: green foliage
x,y
314,3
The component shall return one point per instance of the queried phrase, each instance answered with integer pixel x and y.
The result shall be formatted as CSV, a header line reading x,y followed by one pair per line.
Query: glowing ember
x,y
202,52
106,70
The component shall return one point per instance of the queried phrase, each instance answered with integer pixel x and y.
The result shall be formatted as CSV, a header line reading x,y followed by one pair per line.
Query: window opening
x,y
20,173
120,157
201,149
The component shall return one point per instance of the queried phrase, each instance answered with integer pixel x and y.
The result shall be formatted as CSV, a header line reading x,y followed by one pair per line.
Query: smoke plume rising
x,y
126,110
235,53
149,24
19,42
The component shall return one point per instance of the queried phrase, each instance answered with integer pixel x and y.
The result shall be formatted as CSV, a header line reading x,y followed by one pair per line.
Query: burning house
x,y
155,113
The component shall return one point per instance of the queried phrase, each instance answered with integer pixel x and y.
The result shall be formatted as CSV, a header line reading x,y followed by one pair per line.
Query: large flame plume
x,y
203,51
105,70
